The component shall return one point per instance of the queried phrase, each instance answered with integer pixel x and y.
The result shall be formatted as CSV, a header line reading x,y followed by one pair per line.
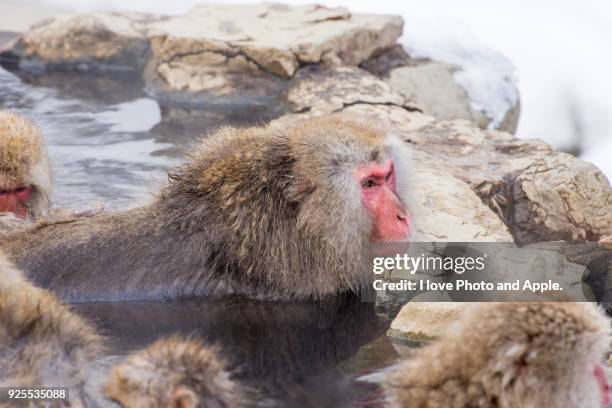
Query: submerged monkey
x,y
268,212
43,343
510,355
25,171
174,372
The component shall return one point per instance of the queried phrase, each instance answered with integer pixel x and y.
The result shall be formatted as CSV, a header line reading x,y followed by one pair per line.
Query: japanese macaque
x,y
42,342
174,372
25,173
45,343
310,338
511,355
272,212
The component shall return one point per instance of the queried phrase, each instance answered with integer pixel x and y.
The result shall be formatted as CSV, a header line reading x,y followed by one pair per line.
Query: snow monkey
x,y
273,212
25,172
509,355
44,343
174,372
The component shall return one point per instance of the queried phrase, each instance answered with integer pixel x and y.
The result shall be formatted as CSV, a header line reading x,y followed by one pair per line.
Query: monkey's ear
x,y
183,397
300,190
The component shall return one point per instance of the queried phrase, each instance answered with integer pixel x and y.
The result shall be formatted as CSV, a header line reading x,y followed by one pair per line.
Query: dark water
x,y
110,143
294,353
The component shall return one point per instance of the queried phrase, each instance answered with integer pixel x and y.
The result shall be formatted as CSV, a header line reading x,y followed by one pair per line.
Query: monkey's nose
x,y
402,217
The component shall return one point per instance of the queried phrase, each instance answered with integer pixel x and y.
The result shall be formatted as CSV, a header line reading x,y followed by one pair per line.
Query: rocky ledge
x,y
244,55
469,184
215,54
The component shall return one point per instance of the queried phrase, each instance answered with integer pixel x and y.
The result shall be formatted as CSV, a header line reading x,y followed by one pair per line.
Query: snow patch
x,y
487,76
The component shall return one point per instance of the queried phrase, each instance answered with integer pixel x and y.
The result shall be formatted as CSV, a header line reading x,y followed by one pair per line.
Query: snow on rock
x,y
487,76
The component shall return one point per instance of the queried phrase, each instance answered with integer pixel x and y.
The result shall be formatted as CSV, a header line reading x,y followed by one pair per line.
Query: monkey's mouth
x,y
16,201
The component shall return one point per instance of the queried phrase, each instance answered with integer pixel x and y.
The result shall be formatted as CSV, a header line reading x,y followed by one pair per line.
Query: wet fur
x,y
173,370
509,355
270,212
42,342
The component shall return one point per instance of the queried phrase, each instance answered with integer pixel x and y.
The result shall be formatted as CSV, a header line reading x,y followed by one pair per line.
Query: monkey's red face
x,y
379,195
604,386
16,201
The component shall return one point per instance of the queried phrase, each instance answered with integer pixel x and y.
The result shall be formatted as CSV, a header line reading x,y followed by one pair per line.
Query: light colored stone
x,y
88,41
432,84
245,53
445,208
425,317
277,37
606,242
214,54
538,193
320,90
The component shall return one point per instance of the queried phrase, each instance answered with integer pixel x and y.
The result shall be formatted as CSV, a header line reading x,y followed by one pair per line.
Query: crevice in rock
x,y
227,54
359,102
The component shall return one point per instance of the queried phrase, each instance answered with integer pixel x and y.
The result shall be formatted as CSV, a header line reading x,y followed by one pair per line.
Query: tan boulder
x,y
86,41
425,317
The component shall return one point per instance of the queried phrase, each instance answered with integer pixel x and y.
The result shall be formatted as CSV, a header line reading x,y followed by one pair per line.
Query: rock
x,y
95,41
248,51
214,55
606,242
432,85
596,263
278,38
580,270
382,63
370,357
321,90
425,318
538,193
445,208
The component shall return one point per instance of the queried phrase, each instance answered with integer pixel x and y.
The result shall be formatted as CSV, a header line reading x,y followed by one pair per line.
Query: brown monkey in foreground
x,y
509,355
174,372
44,343
272,212
25,172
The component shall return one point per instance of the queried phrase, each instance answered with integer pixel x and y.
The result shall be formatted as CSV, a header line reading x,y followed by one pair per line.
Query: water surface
x,y
110,143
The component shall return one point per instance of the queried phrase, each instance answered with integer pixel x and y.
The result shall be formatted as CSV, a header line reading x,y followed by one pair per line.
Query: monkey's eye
x,y
369,183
